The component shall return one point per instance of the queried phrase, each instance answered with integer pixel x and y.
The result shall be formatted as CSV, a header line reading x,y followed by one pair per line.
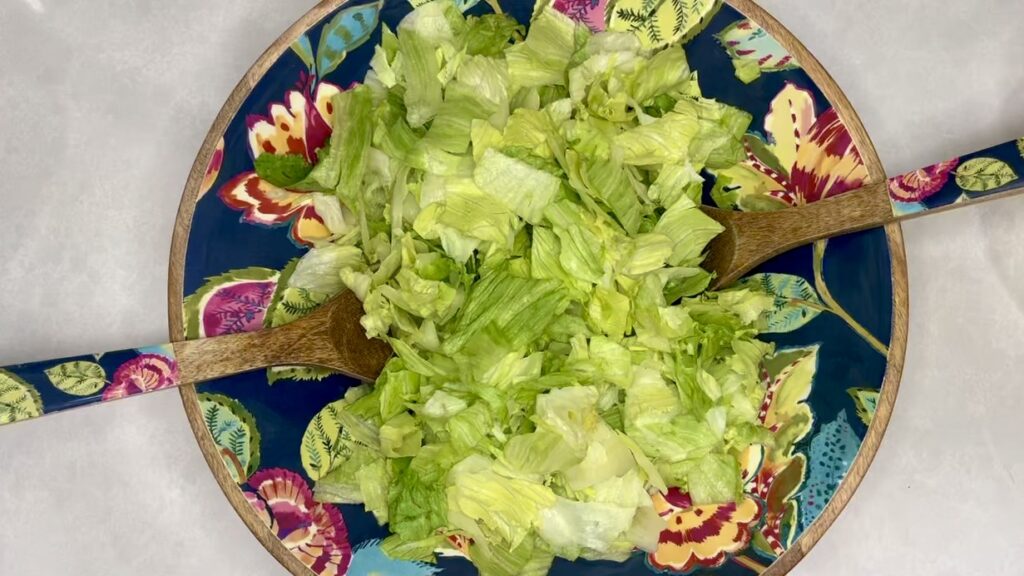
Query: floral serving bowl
x,y
839,322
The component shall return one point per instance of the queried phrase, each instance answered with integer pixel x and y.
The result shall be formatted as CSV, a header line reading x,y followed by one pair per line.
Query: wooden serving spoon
x,y
751,238
331,337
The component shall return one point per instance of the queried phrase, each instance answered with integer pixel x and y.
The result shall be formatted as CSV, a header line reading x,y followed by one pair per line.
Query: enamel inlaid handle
x,y
994,171
37,388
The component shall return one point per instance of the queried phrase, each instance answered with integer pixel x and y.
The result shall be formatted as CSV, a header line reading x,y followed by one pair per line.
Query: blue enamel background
x,y
857,268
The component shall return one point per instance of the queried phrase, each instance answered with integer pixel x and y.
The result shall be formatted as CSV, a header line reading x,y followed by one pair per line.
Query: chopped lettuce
x,y
520,218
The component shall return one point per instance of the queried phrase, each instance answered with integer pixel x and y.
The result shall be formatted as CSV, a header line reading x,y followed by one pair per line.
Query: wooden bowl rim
x,y
817,73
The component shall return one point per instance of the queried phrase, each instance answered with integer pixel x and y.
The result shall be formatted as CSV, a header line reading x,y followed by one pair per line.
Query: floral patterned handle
x,y
37,388
986,173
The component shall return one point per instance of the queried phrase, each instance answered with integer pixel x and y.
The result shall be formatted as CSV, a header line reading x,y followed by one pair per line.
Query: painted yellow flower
x,y
802,157
701,536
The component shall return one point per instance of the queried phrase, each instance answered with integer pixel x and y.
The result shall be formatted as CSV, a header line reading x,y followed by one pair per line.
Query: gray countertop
x,y
103,105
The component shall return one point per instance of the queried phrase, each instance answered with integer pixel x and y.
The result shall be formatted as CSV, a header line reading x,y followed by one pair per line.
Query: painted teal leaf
x,y
19,400
796,301
753,50
234,431
906,208
833,450
866,400
369,560
984,174
345,32
304,50
77,378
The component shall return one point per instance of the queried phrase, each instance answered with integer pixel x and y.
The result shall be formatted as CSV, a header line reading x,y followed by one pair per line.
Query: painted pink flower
x,y
314,532
239,307
144,373
300,126
920,184
589,12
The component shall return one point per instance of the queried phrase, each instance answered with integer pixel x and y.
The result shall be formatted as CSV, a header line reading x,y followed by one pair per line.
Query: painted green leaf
x,y
322,446
290,304
782,509
304,50
297,373
866,400
294,304
661,23
781,497
1020,146
348,30
749,189
833,450
796,302
234,431
77,378
984,174
791,375
18,399
761,545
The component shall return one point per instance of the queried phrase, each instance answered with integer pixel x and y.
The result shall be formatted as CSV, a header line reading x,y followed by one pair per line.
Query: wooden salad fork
x,y
751,238
331,337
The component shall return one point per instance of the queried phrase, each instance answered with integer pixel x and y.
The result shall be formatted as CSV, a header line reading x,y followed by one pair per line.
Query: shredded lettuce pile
x,y
519,216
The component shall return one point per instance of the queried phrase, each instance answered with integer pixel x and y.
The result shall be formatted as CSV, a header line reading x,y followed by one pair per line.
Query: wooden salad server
x,y
751,238
330,337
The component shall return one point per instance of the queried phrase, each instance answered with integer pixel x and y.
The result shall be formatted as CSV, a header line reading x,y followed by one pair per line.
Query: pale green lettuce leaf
x,y
525,189
690,229
319,269
400,436
509,507
666,72
420,65
543,58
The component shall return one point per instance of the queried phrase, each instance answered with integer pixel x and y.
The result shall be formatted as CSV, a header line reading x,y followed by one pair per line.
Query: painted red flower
x,y
144,373
300,125
314,532
920,184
